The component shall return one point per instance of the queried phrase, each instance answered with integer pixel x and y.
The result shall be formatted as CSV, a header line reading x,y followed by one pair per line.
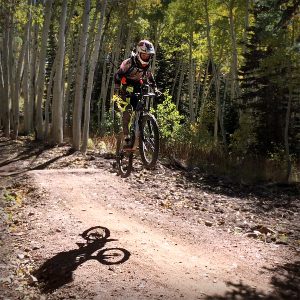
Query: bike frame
x,y
142,107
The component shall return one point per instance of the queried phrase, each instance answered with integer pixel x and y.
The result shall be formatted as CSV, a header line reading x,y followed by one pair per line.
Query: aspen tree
x,y
234,61
57,121
19,70
94,57
41,73
6,76
181,78
80,72
217,81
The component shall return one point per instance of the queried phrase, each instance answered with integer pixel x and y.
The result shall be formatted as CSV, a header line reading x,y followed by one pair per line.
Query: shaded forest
x,y
230,72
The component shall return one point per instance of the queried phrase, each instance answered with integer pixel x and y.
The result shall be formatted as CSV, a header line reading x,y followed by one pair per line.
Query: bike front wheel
x,y
149,141
113,256
124,158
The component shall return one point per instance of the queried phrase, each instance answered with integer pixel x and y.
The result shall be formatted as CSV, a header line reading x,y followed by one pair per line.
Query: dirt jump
x,y
73,229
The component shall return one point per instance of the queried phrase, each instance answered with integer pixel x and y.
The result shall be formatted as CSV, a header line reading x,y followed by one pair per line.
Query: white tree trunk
x,y
205,93
181,78
77,112
211,56
20,67
57,121
234,61
156,40
70,78
41,74
221,111
101,108
26,92
128,43
286,134
33,54
92,32
131,29
49,93
179,66
6,78
11,71
111,70
1,91
191,80
72,63
246,25
92,67
198,88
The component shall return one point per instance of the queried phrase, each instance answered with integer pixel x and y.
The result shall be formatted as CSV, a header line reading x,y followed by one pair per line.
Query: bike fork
x,y
136,132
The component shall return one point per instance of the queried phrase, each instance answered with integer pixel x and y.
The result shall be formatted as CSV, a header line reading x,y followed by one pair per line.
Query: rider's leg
x,y
127,117
125,120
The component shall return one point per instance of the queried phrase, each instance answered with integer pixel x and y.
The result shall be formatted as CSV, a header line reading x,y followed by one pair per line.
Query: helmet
x,y
145,47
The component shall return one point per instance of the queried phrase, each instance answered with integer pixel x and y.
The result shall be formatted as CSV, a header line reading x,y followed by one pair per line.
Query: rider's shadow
x,y
58,270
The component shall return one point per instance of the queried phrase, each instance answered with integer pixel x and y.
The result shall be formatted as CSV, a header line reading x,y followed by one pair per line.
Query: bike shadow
x,y
58,270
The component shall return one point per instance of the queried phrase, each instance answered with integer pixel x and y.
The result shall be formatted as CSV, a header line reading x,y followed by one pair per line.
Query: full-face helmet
x,y
144,52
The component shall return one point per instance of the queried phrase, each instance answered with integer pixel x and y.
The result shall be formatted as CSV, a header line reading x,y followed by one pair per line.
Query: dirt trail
x,y
165,256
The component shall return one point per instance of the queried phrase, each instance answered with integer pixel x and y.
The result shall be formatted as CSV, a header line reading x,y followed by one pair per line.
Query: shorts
x,y
136,89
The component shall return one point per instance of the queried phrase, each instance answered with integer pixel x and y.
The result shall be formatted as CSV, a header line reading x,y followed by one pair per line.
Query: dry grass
x,y
250,169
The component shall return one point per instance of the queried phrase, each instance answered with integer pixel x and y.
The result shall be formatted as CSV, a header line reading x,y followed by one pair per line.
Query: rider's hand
x,y
159,96
158,93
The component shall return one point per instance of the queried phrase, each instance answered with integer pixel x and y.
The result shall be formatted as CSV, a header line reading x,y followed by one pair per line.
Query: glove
x,y
159,96
157,92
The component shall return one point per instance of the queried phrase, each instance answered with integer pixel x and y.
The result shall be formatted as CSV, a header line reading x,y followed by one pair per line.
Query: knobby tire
x,y
124,159
149,141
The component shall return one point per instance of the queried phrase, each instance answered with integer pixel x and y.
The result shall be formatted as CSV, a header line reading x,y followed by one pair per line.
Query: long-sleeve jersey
x,y
132,72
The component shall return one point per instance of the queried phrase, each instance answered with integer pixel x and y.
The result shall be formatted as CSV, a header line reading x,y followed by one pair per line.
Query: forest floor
x,y
72,229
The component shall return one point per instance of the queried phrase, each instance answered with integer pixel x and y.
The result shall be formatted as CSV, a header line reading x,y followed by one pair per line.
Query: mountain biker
x,y
129,74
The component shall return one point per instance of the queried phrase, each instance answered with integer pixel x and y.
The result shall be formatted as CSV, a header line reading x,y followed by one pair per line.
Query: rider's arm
x,y
151,80
125,65
159,96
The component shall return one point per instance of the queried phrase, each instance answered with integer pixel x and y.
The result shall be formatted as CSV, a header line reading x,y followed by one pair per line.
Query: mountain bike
x,y
144,135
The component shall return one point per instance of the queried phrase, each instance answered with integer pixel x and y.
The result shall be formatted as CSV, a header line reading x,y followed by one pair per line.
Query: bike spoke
x,y
149,145
124,159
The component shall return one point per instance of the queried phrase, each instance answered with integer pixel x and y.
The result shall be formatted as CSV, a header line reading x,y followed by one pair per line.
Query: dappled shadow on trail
x,y
264,196
232,188
49,162
17,170
225,186
285,285
7,142
30,151
58,270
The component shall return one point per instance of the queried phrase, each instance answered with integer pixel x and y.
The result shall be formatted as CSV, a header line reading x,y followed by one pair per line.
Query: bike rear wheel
x,y
149,141
124,159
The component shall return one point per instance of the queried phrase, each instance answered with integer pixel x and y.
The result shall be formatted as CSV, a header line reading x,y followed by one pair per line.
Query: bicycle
x,y
144,135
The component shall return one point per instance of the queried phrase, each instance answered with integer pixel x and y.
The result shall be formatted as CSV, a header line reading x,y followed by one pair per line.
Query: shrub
x,y
244,139
90,144
168,118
